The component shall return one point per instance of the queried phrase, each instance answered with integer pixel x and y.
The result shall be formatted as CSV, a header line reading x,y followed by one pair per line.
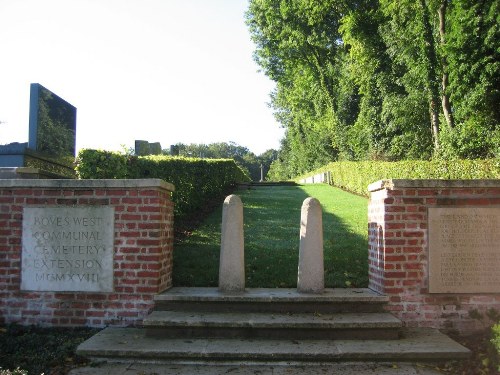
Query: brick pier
x,y
399,250
143,249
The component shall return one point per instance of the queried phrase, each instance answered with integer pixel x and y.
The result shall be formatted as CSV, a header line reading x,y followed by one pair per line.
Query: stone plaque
x,y
68,249
464,250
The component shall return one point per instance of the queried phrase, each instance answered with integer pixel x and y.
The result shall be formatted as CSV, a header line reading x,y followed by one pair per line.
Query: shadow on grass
x,y
271,227
345,236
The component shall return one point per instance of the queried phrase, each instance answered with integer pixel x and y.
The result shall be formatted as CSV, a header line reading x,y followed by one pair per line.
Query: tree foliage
x,y
387,79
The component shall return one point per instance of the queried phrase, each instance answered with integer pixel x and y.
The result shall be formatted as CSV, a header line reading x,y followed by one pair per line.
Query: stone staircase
x,y
271,313
277,326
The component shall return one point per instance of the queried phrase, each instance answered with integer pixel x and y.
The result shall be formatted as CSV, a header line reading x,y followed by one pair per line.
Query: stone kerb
x,y
433,249
311,264
56,210
232,253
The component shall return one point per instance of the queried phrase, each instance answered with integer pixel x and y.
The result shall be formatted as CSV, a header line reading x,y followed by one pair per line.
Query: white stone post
x,y
311,274
232,255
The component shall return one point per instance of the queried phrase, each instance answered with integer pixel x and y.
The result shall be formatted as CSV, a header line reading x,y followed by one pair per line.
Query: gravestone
x,y
155,148
311,271
174,150
144,148
464,250
232,254
67,249
141,148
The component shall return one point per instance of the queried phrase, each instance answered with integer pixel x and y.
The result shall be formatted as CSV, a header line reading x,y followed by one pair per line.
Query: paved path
x,y
248,369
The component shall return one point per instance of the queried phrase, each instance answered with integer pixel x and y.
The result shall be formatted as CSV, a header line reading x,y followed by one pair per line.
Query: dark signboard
x,y
52,123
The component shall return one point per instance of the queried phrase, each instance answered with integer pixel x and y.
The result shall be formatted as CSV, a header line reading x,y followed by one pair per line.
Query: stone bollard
x,y
311,274
232,254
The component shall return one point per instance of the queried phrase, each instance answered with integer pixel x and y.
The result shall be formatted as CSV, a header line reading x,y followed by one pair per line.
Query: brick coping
x,y
86,184
394,184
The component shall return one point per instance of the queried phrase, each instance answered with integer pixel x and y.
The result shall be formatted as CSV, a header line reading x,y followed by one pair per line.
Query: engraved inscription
x,y
68,249
464,250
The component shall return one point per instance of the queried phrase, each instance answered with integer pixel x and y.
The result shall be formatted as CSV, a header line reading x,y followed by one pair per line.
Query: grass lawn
x,y
271,227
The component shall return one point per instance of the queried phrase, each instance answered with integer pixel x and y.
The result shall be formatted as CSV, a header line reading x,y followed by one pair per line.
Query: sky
x,y
165,71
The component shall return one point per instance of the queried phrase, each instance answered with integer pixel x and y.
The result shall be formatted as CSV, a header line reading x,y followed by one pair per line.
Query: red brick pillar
x,y
399,249
142,254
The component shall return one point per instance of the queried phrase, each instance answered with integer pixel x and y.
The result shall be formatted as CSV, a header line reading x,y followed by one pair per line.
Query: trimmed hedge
x,y
196,180
356,176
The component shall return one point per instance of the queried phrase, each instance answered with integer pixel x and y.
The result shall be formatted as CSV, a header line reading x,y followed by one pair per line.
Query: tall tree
x,y
408,34
473,64
389,79
297,45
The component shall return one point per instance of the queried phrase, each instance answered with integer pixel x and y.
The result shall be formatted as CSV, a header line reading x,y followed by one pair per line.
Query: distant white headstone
x,y
232,254
68,249
311,273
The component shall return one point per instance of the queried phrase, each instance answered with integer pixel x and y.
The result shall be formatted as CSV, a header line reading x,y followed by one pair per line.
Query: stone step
x,y
276,300
244,368
133,345
272,325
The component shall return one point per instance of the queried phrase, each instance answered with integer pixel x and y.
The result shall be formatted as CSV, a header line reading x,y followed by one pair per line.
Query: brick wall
x,y
399,255
143,247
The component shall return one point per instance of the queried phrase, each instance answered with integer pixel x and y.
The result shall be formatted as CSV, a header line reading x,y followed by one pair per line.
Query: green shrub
x,y
98,164
496,341
36,350
356,176
196,180
476,138
17,371
496,336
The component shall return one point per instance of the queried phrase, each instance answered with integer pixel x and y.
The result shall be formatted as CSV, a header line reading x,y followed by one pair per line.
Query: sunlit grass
x,y
271,226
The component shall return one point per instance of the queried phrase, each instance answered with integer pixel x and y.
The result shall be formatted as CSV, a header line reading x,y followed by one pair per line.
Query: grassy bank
x,y
272,224
36,350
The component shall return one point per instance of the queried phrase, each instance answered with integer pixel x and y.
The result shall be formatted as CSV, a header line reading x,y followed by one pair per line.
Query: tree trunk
x,y
432,72
434,123
445,101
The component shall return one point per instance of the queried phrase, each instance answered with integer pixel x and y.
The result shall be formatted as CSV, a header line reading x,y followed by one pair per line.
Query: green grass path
x,y
271,227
